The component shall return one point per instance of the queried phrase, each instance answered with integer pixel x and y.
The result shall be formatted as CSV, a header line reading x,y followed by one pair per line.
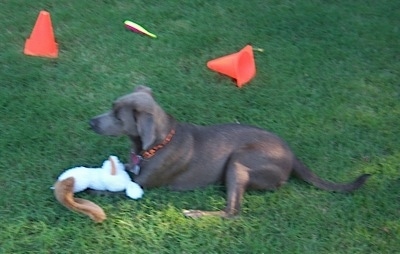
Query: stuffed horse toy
x,y
110,177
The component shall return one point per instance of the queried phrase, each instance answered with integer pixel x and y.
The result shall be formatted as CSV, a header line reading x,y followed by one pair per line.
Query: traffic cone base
x,y
41,42
240,66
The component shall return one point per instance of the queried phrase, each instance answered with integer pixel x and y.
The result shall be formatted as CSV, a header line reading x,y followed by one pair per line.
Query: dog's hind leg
x,y
236,179
247,169
251,169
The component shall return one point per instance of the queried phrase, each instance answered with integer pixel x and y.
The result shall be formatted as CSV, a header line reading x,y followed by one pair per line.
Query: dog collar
x,y
152,151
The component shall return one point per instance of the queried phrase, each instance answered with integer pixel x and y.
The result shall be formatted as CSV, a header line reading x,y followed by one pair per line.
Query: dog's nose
x,y
93,123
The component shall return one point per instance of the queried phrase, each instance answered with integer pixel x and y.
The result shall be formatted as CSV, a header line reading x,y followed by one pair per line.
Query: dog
x,y
183,156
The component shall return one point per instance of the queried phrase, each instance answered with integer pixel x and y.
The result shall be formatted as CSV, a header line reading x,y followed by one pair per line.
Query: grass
x,y
327,82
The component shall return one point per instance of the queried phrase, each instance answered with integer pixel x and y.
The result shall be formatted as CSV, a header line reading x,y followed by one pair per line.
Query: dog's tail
x,y
307,175
64,193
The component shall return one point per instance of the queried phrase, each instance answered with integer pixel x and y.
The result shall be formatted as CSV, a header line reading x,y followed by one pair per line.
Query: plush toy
x,y
110,177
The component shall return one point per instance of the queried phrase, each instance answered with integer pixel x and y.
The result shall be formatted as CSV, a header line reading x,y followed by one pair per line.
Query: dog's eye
x,y
116,116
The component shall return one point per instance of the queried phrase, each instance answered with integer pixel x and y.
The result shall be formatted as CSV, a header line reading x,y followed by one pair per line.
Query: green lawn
x,y
328,82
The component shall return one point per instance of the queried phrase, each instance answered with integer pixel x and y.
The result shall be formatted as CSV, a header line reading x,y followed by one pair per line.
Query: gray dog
x,y
184,156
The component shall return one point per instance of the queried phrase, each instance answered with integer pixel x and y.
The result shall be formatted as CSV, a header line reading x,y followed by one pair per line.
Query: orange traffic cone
x,y
240,65
42,42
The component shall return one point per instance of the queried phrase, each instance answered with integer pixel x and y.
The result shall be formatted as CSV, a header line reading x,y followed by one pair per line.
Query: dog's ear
x,y
142,88
146,129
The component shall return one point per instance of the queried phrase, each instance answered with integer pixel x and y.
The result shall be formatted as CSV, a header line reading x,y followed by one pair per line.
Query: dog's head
x,y
136,115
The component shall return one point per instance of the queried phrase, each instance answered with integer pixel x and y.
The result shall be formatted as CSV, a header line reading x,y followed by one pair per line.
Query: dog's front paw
x,y
199,213
193,213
